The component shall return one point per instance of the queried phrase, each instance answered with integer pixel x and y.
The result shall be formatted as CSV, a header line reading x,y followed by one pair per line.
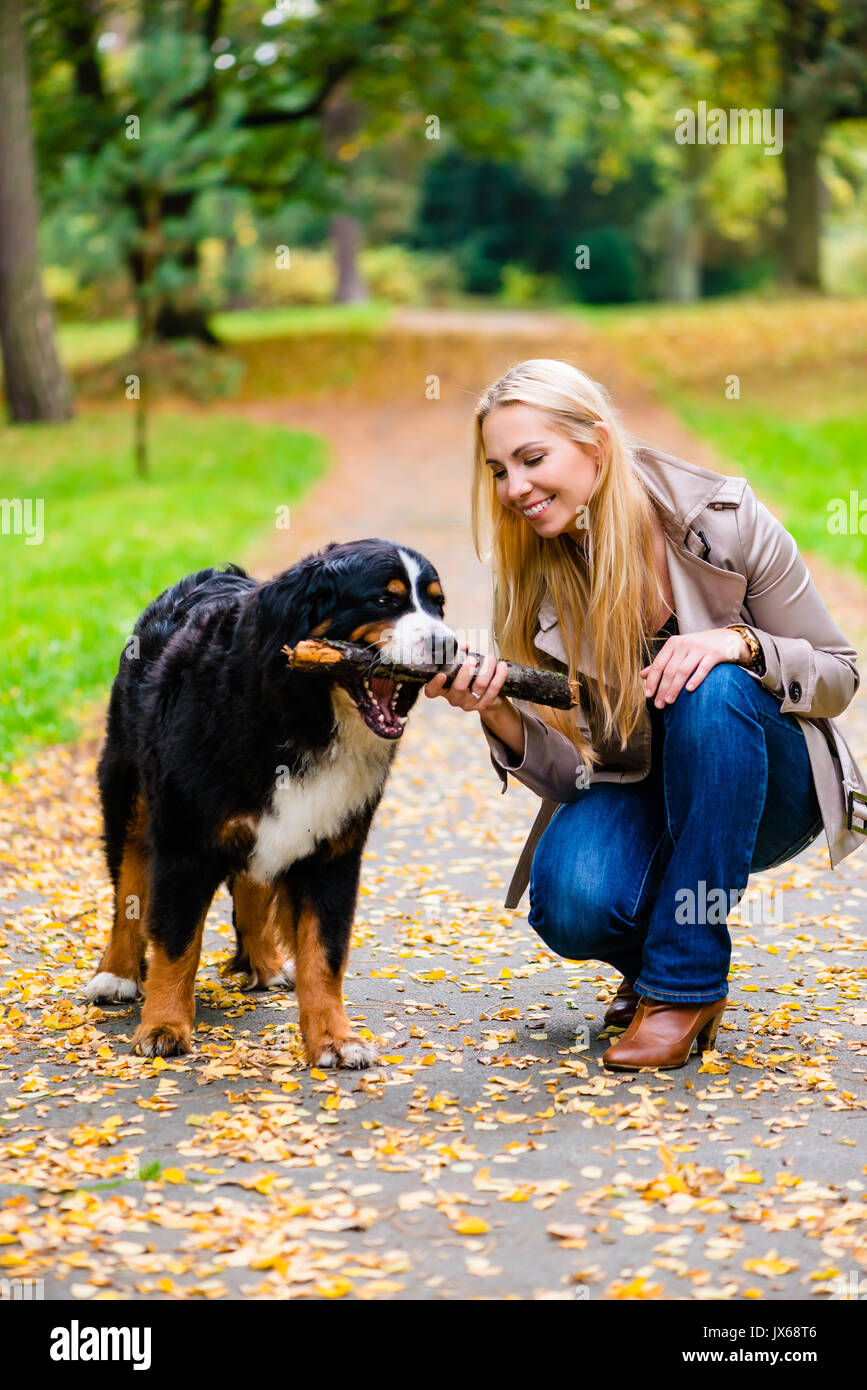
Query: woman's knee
x,y
701,714
569,908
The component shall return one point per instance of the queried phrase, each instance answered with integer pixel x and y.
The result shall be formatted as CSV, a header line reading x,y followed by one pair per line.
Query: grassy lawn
x,y
797,467
85,344
113,541
242,325
797,429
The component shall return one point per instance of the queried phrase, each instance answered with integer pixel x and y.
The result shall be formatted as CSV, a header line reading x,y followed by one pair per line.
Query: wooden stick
x,y
524,682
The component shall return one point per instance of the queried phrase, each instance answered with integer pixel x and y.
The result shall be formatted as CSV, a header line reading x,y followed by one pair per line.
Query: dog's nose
x,y
421,644
444,648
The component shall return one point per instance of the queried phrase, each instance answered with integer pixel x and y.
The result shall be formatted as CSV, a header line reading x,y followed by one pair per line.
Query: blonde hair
x,y
610,590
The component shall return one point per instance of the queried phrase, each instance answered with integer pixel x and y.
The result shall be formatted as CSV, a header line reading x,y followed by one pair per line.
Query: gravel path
x,y
490,1153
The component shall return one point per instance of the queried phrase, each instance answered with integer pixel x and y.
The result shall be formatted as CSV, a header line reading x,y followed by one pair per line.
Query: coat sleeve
x,y
550,765
808,662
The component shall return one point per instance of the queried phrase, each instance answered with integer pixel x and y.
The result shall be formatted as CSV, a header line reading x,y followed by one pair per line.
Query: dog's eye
x,y
384,599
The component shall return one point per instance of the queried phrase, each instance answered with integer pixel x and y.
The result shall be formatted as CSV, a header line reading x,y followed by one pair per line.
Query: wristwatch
x,y
757,658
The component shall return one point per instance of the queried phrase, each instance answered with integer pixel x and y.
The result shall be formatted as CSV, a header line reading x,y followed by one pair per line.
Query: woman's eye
x,y
538,459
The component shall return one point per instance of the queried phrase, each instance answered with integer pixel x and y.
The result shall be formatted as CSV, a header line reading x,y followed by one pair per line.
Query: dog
x,y
221,763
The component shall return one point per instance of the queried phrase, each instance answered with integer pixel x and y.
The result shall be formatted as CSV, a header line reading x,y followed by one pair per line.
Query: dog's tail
x,y
118,785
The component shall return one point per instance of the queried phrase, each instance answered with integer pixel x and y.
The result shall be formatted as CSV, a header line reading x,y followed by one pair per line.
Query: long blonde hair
x,y
610,589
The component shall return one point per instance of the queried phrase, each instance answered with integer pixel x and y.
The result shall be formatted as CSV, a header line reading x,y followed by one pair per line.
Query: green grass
x,y
798,427
796,466
113,541
242,325
88,344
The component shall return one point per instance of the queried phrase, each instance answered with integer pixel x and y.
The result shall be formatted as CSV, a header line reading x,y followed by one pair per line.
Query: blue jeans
x,y
626,874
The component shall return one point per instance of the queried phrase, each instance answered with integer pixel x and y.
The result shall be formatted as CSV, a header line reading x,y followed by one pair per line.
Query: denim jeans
x,y
626,874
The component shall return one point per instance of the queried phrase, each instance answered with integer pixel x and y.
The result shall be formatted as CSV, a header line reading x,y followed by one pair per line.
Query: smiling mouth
x,y
538,508
376,699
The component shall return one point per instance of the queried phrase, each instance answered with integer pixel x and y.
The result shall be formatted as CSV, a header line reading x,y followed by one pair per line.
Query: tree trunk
x,y
339,124
181,314
801,234
35,383
681,269
346,236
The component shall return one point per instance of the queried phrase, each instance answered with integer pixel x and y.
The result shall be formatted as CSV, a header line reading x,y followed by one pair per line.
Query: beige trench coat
x,y
729,560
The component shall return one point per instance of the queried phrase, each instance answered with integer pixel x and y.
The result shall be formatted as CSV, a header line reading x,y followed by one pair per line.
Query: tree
x,y
807,58
822,80
35,384
276,106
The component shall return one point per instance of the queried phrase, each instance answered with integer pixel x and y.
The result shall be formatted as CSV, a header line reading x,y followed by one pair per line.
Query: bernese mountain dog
x,y
221,763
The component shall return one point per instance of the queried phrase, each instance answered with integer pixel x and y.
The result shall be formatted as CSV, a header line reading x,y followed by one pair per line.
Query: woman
x,y
703,747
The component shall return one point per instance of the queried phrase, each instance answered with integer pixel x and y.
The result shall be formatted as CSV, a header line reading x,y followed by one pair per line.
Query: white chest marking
x,y
315,804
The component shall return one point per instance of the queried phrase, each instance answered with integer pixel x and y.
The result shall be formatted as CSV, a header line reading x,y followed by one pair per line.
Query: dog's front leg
x,y
177,907
323,927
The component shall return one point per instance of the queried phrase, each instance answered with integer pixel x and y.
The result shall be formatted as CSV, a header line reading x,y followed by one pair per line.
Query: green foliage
x,y
797,465
520,287
112,542
612,276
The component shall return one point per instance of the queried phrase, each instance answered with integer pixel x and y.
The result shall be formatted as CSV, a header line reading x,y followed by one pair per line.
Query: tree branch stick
x,y
541,687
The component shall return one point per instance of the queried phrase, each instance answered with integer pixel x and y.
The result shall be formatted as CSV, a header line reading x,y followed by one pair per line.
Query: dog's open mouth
x,y
377,699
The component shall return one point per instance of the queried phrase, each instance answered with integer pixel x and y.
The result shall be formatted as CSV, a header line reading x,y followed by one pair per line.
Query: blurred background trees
x,y
194,155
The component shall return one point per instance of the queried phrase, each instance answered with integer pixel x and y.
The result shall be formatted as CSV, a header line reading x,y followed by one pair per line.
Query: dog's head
x,y
375,593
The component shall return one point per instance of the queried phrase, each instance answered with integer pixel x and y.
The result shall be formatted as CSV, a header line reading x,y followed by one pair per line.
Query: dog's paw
x,y
282,978
161,1040
352,1052
108,988
285,977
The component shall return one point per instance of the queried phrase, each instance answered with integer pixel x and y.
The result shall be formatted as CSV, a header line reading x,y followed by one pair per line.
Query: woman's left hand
x,y
687,658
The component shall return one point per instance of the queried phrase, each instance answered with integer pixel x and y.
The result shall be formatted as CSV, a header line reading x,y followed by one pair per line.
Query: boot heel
x,y
707,1036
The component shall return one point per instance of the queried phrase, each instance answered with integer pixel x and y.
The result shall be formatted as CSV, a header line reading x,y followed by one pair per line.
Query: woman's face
x,y
541,475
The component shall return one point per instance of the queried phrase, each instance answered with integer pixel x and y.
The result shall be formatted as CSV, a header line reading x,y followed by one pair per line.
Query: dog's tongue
x,y
382,689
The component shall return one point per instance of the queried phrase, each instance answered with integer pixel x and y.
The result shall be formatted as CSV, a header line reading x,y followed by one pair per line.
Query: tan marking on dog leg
x,y
237,835
259,952
166,1027
119,974
348,838
328,1037
284,921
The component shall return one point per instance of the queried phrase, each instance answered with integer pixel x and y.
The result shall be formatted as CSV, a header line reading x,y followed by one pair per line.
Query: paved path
x,y
490,1154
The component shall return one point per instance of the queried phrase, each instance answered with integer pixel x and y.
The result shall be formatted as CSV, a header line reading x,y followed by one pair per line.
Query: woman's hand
x,y
475,688
691,655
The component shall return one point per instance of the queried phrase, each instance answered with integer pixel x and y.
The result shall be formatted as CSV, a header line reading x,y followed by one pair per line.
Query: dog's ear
x,y
290,606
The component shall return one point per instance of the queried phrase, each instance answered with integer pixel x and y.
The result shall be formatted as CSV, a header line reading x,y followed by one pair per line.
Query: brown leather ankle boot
x,y
622,1008
662,1034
